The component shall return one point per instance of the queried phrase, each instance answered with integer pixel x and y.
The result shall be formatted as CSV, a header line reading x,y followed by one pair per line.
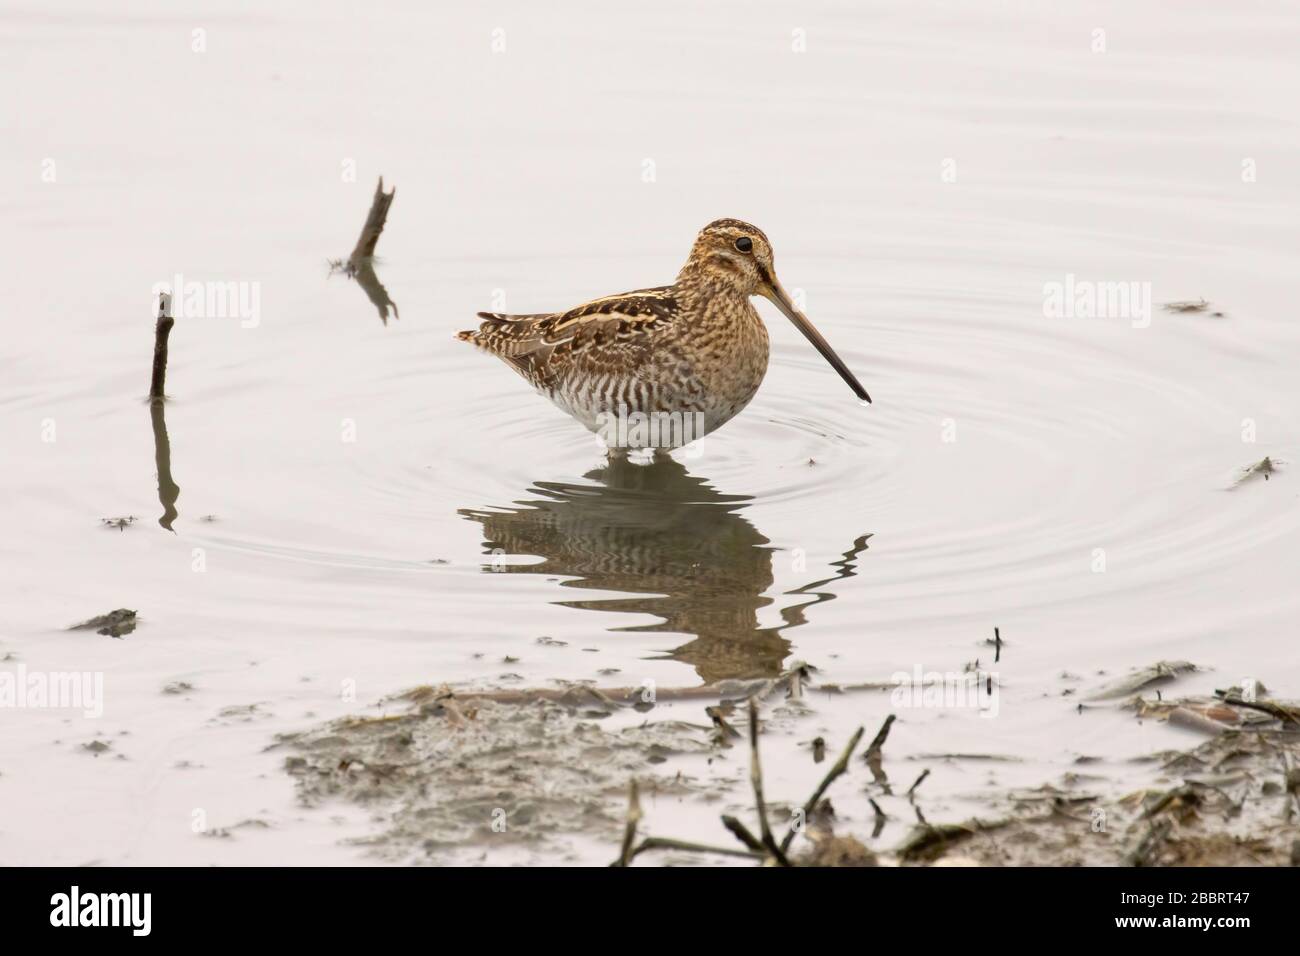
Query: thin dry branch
x,y
763,847
911,791
1282,712
742,833
881,736
633,819
659,843
874,753
839,767
756,779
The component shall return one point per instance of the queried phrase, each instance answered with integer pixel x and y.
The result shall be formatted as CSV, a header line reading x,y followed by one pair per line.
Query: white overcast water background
x,y
525,171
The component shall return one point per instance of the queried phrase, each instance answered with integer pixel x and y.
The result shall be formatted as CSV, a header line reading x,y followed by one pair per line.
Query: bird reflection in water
x,y
681,550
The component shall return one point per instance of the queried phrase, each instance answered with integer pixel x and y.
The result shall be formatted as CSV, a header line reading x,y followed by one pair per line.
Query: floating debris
x,y
1265,466
1200,305
997,644
226,833
719,715
760,689
1285,711
994,758
1206,714
1232,801
1162,672
928,841
241,712
113,624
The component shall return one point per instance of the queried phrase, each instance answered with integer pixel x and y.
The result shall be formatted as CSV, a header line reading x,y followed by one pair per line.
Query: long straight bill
x,y
782,301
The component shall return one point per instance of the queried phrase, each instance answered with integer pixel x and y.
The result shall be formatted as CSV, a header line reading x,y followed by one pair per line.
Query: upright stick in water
x,y
361,264
161,331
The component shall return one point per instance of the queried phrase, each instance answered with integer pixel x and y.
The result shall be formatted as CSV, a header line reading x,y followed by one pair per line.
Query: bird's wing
x,y
603,333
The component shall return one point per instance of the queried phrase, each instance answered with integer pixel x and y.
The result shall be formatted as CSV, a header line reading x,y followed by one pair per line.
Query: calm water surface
x,y
358,506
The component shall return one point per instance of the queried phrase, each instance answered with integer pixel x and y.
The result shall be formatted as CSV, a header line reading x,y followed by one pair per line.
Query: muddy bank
x,y
493,775
1232,801
482,771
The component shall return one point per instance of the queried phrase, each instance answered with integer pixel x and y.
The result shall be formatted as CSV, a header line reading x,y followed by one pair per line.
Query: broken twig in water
x,y
360,264
874,754
878,822
631,850
742,833
376,219
659,843
162,330
756,779
919,780
839,767
879,740
725,730
762,848
633,819
1286,714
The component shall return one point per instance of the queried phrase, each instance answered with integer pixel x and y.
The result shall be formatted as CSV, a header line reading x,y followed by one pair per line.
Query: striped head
x,y
732,253
734,256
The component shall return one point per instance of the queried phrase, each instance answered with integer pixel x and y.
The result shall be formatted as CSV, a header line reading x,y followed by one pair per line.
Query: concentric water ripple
x,y
1001,448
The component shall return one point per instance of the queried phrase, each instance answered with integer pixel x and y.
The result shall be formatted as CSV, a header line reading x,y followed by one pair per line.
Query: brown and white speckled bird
x,y
696,348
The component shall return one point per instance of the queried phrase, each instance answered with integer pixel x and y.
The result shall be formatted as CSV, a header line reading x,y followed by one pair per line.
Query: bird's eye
x,y
745,244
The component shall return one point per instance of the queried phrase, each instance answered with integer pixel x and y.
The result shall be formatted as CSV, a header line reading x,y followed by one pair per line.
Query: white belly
x,y
667,424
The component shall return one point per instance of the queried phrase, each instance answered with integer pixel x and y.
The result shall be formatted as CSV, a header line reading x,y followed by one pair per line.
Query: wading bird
x,y
688,356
